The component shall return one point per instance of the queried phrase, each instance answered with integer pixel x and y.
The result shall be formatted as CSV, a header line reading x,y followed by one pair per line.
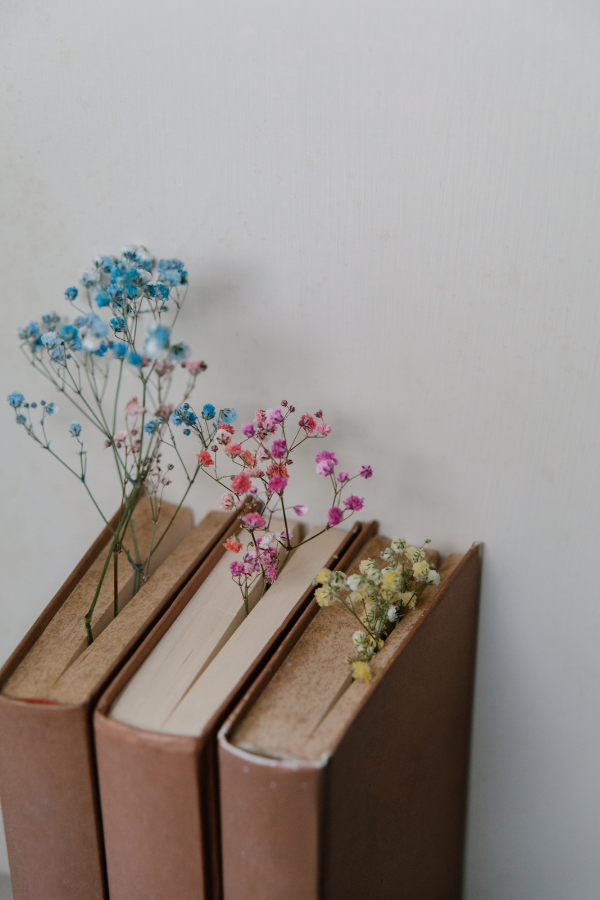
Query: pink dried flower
x,y
248,430
365,472
241,484
165,480
237,568
301,510
326,463
323,428
353,502
222,436
279,448
194,366
274,416
326,454
134,408
163,368
233,449
343,477
227,501
260,416
277,484
225,426
204,458
319,414
255,472
335,516
308,423
271,573
253,520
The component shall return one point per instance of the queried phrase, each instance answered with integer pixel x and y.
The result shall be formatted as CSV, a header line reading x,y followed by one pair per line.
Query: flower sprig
x,y
89,359
377,597
261,458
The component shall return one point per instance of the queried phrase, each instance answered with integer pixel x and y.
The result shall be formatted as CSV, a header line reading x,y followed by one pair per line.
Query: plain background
x,y
388,210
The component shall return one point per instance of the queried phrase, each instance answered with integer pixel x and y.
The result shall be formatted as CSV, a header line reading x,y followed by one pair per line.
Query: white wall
x,y
390,210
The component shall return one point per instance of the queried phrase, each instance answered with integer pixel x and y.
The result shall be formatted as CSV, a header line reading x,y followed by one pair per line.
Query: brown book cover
x,y
372,802
159,794
48,781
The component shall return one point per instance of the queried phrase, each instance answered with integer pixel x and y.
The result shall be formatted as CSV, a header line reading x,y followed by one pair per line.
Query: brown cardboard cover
x,y
381,812
48,779
158,792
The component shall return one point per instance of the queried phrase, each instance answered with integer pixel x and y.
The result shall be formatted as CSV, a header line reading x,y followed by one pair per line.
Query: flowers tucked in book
x,y
90,361
377,597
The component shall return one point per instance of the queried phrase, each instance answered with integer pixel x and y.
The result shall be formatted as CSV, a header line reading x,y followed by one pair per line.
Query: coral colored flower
x,y
233,545
279,448
365,472
277,484
194,366
248,430
227,501
253,520
204,458
274,469
353,502
323,428
301,510
335,516
233,449
254,472
134,408
249,458
260,416
241,484
237,568
224,426
343,477
308,423
274,416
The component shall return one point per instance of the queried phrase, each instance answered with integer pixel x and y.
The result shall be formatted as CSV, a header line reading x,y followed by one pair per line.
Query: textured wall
x,y
389,210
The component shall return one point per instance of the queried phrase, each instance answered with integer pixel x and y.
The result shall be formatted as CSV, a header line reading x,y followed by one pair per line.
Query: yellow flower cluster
x,y
377,597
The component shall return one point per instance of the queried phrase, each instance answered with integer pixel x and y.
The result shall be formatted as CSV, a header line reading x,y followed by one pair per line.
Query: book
x,y
48,689
334,788
155,726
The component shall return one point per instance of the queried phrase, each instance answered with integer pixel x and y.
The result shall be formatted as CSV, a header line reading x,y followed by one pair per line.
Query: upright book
x,y
156,724
48,689
334,788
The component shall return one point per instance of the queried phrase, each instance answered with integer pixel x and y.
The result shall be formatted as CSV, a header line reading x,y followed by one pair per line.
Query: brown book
x,y
155,726
48,689
334,788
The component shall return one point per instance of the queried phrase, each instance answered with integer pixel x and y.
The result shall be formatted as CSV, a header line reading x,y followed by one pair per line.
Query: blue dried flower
x,y
16,399
119,349
88,279
179,352
71,293
102,299
134,359
228,415
208,412
75,429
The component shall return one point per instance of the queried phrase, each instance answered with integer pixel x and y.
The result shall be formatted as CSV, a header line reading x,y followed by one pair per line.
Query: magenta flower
x,y
325,468
253,520
335,516
271,573
366,472
241,483
301,510
277,484
353,502
343,477
248,430
323,428
237,568
279,449
326,454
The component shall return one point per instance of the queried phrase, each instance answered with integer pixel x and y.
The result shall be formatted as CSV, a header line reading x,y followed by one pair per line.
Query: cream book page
x,y
221,677
193,640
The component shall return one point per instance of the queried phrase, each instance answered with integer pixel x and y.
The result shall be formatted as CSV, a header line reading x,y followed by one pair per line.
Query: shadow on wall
x,y
5,888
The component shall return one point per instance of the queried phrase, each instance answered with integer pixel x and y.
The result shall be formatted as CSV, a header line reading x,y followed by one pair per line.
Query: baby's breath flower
x,y
324,596
398,545
361,671
355,582
421,570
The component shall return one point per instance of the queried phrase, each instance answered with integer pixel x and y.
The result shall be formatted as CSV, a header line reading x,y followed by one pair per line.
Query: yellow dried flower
x,y
421,570
324,597
324,576
361,671
391,579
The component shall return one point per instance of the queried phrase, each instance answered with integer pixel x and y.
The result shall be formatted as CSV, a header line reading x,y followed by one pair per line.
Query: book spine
x,y
271,828
49,803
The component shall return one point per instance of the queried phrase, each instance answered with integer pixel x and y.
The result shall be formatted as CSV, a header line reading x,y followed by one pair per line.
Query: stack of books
x,y
199,750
